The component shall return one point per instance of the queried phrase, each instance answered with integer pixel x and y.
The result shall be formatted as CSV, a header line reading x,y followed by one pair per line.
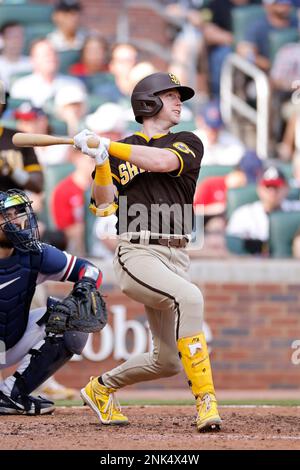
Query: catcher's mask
x,y
18,220
144,99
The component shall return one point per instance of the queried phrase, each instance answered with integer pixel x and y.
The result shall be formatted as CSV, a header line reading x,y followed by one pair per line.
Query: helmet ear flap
x,y
145,105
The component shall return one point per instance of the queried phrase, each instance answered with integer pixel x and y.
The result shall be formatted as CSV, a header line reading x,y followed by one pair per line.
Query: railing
x,y
230,101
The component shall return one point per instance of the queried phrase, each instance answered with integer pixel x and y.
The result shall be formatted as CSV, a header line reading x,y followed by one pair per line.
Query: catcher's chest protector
x,y
18,276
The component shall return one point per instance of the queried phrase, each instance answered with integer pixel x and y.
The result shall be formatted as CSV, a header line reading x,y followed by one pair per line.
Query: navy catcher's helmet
x,y
20,226
144,99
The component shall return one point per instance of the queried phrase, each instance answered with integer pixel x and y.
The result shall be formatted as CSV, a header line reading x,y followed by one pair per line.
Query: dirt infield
x,y
154,427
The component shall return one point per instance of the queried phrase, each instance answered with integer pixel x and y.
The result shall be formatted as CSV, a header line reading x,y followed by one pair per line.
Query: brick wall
x,y
254,322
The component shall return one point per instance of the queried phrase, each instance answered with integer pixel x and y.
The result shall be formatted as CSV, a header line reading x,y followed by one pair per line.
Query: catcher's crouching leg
x,y
53,353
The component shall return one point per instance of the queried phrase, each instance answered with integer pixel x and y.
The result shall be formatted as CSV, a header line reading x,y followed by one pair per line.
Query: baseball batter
x,y
150,178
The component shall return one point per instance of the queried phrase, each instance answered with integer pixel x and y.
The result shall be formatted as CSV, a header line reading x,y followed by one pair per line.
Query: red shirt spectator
x,y
211,193
67,203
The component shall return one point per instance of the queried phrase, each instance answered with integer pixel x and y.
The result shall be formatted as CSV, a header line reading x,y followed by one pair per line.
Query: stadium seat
x,y
286,168
57,126
277,39
214,170
235,245
242,17
93,102
185,126
52,175
66,59
283,227
294,194
15,76
239,196
36,31
94,81
14,2
133,126
25,13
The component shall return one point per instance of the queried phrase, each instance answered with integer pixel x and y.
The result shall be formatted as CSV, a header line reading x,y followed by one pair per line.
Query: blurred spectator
x,y
296,245
188,54
12,60
284,77
140,71
255,45
19,167
221,147
70,105
211,197
285,71
67,204
35,121
30,119
94,57
295,181
219,37
289,148
44,82
68,34
250,222
123,58
211,193
108,121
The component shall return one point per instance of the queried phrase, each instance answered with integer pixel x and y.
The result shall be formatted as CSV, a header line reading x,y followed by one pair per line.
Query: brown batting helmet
x,y
144,99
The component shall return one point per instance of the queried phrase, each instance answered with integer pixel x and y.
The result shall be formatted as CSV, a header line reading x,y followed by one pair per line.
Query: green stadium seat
x,y
185,126
14,2
94,81
239,196
214,170
57,126
14,103
36,31
9,123
66,59
286,168
133,126
283,227
25,13
294,194
277,39
14,77
235,245
93,102
242,17
52,175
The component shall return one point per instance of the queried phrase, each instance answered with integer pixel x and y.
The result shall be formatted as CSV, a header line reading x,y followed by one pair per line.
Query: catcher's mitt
x,y
82,310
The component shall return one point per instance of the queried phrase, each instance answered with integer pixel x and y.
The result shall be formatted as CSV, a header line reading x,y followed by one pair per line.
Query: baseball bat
x,y
21,139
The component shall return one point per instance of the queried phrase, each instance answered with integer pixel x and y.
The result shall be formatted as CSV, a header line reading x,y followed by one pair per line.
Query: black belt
x,y
170,242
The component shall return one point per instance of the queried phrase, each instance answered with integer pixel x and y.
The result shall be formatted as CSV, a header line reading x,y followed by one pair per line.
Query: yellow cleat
x,y
208,418
102,400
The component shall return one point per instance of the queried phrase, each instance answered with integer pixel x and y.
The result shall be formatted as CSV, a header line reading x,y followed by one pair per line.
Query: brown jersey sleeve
x,y
189,150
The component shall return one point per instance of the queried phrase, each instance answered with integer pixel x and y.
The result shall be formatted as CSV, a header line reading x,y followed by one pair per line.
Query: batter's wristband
x,y
119,150
103,174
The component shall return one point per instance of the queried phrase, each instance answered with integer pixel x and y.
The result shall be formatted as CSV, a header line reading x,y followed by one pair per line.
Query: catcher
x,y
44,339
